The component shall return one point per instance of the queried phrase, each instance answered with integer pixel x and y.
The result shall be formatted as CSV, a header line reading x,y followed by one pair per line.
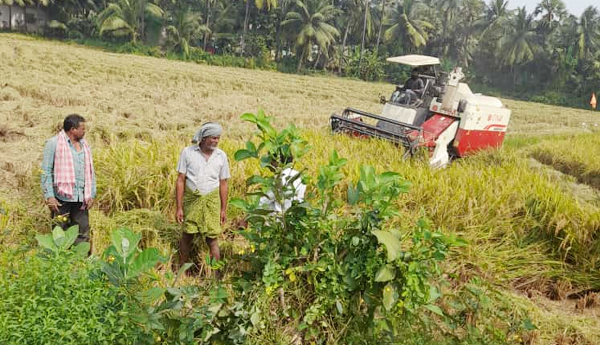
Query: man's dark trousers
x,y
76,215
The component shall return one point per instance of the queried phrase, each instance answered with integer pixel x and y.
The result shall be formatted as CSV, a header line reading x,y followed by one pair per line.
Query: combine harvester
x,y
446,118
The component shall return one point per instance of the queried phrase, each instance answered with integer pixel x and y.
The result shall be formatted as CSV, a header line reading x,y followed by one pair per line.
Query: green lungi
x,y
202,213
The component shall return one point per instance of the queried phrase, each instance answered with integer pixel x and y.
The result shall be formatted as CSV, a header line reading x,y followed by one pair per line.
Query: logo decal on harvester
x,y
495,117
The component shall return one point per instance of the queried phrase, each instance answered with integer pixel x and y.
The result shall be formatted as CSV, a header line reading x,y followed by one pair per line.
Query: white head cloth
x,y
209,129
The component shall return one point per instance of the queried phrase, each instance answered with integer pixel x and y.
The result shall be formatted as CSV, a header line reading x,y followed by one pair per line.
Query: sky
x,y
575,7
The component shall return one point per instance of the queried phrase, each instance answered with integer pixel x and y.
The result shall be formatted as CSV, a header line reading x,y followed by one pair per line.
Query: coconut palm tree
x,y
353,13
367,27
518,45
451,10
221,29
126,17
183,29
588,33
260,4
465,40
406,27
496,16
553,10
311,20
380,26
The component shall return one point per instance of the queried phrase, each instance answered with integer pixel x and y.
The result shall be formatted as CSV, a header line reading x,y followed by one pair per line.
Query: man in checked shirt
x,y
68,178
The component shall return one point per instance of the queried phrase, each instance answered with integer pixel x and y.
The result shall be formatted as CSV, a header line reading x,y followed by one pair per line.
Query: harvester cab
x,y
444,116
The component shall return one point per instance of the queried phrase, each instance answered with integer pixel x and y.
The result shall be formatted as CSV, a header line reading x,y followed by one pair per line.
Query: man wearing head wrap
x,y
202,191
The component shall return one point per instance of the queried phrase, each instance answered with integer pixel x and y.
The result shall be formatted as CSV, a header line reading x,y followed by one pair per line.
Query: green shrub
x,y
140,49
288,64
370,68
172,314
351,273
59,298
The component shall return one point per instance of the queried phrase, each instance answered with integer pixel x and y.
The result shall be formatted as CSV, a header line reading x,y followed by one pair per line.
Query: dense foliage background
x,y
549,55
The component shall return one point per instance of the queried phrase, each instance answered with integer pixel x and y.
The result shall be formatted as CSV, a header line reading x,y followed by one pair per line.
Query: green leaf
x,y
367,176
54,24
182,270
219,294
239,203
528,325
262,212
389,176
458,242
257,179
71,236
334,159
390,296
144,262
391,241
242,154
214,309
339,307
46,241
255,318
125,241
82,249
265,161
434,294
58,236
353,195
150,296
355,241
362,187
248,117
434,309
385,274
250,147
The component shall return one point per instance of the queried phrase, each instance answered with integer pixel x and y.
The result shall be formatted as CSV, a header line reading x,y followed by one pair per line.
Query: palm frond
x,y
153,11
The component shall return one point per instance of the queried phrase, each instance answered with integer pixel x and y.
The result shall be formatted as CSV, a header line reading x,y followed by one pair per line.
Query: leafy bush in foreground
x,y
343,270
58,298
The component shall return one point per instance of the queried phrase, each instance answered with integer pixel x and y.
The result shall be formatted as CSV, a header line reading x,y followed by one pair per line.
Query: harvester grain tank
x,y
445,117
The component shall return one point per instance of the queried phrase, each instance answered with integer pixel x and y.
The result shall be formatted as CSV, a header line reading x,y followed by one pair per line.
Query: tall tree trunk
x,y
343,51
10,17
143,23
300,61
465,50
207,33
444,40
380,25
317,59
278,42
25,17
362,45
242,43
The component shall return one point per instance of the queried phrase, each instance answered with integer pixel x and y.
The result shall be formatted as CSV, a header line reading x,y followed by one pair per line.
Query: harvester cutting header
x,y
432,110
